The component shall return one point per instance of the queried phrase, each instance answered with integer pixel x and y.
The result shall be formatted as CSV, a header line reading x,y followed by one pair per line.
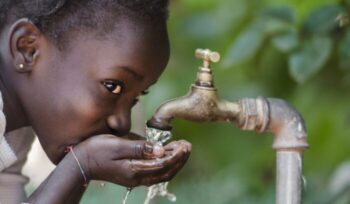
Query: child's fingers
x,y
138,149
174,144
134,169
180,154
167,176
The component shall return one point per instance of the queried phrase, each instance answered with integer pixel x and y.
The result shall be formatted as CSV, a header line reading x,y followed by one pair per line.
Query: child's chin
x,y
56,156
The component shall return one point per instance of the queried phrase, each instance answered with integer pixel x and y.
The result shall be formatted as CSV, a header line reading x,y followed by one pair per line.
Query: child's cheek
x,y
85,109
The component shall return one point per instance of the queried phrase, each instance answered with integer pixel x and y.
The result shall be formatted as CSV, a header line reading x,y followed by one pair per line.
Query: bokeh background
x,y
296,50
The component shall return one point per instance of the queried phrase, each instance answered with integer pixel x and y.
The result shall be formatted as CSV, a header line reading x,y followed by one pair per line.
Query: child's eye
x,y
114,87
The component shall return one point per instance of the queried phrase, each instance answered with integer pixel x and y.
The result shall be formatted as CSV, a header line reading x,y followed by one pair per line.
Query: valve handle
x,y
204,74
207,55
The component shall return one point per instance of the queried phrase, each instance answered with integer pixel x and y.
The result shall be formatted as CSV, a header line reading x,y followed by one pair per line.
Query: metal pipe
x,y
202,104
290,141
289,183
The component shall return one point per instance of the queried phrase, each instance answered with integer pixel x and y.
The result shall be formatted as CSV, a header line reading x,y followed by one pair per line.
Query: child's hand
x,y
131,163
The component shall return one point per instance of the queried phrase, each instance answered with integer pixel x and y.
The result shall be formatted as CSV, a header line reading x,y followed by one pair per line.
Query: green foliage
x,y
323,20
307,61
286,42
268,23
308,48
344,51
247,44
204,25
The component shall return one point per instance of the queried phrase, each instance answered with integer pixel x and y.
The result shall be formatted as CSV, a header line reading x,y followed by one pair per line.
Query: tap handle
x,y
207,55
204,74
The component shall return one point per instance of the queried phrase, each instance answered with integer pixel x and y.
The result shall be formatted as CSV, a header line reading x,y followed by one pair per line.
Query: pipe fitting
x,y
287,125
275,116
254,114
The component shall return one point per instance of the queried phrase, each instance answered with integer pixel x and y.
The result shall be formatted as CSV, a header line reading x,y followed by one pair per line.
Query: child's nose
x,y
119,123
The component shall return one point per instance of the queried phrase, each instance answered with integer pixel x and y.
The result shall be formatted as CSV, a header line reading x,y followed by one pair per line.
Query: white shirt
x,y
7,156
14,147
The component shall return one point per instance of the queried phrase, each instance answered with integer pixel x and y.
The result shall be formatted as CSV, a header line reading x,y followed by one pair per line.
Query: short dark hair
x,y
56,18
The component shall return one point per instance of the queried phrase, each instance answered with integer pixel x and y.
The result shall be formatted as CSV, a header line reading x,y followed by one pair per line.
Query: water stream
x,y
126,195
161,189
158,137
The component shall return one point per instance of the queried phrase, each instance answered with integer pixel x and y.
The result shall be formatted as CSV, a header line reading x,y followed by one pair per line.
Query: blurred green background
x,y
291,49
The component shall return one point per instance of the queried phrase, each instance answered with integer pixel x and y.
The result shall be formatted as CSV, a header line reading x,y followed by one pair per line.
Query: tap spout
x,y
201,104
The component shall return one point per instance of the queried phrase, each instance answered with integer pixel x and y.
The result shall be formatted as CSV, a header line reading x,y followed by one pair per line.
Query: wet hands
x,y
131,163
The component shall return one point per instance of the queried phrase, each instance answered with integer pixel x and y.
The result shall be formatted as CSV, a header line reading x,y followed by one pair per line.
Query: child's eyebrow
x,y
132,72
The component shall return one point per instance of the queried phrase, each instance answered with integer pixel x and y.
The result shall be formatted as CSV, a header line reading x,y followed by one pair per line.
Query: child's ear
x,y
24,44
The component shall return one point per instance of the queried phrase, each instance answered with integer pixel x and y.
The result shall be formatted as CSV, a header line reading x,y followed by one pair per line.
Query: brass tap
x,y
201,104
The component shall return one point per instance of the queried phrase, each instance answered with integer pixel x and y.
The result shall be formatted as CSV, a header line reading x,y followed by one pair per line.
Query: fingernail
x,y
148,148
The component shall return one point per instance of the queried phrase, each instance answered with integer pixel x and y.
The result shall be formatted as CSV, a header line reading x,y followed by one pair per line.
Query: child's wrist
x,y
76,162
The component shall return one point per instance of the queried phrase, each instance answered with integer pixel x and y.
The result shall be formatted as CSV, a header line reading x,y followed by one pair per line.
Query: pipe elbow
x,y
287,125
275,116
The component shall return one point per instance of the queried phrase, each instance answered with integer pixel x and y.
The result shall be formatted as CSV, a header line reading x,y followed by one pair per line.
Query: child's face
x,y
91,89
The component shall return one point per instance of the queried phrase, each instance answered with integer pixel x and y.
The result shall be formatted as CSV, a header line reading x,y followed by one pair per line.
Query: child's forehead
x,y
126,35
144,55
124,31
129,28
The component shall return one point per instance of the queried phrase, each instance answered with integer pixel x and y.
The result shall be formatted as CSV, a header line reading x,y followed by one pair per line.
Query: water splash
x,y
159,189
158,137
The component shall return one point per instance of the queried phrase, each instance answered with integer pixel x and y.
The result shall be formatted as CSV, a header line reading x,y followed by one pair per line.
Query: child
x,y
73,70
